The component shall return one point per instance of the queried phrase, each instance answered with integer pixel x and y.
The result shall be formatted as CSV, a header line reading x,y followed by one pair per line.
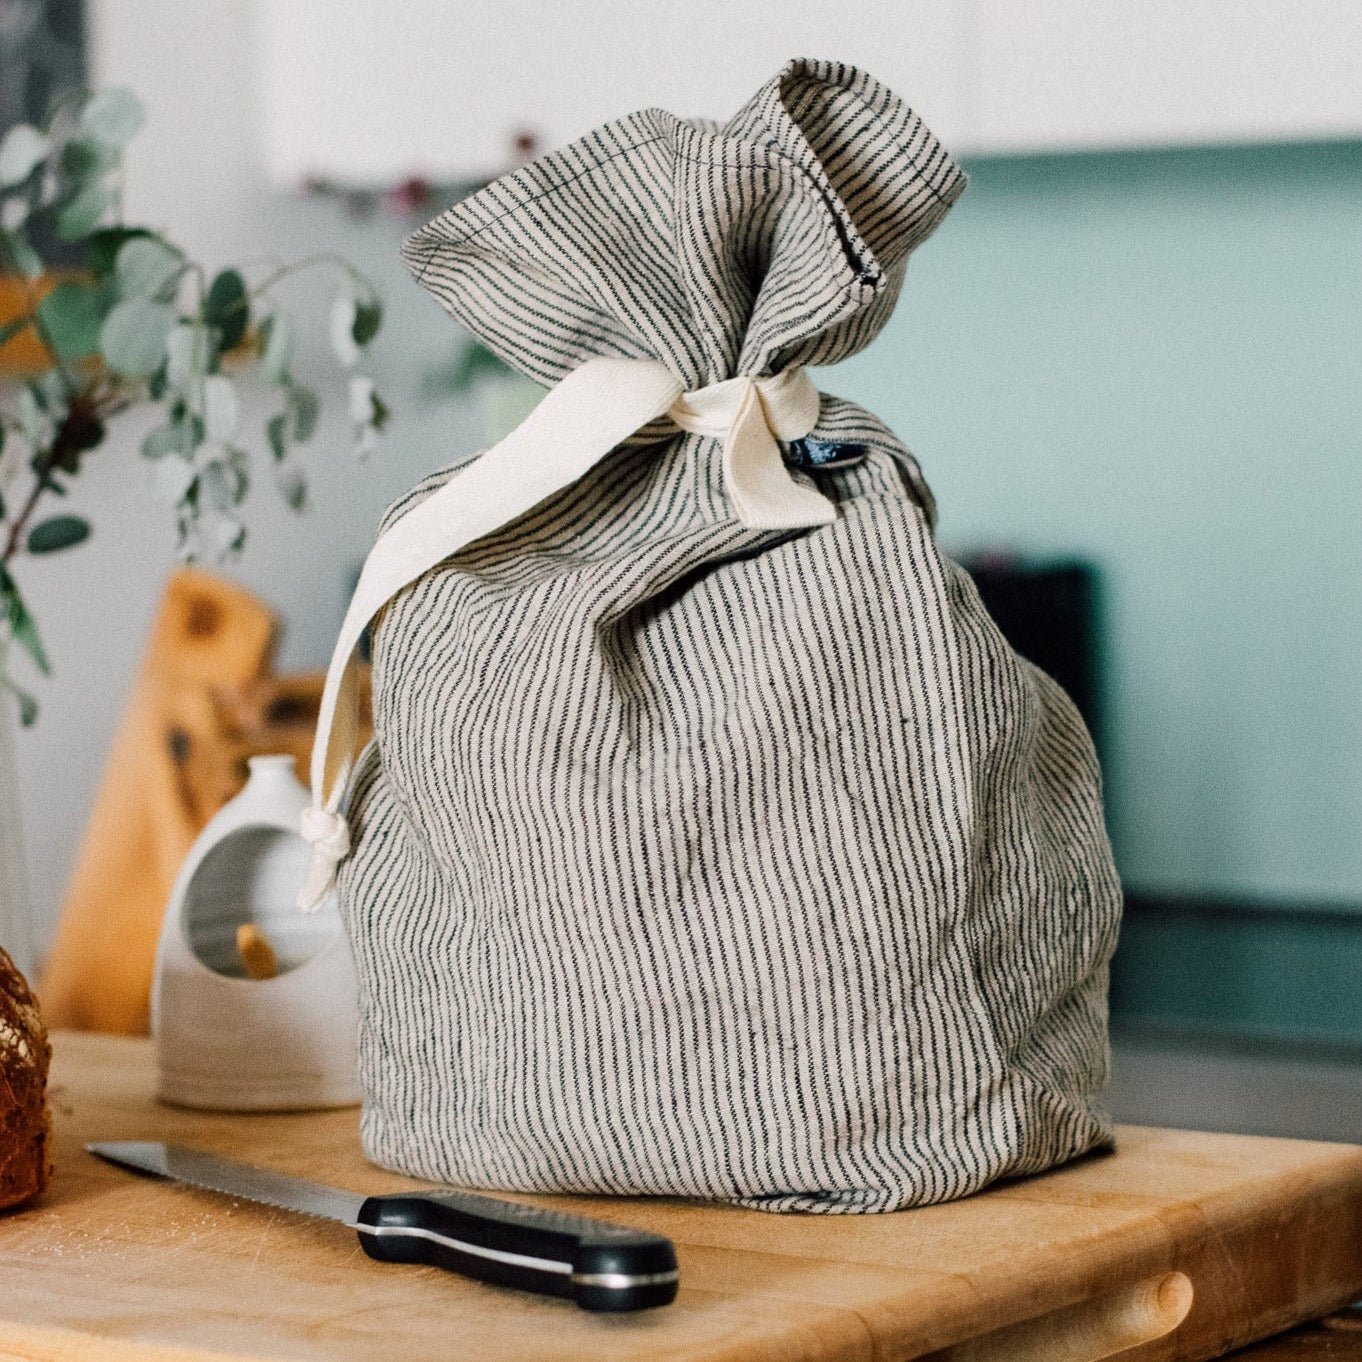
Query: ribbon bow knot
x,y
578,423
750,415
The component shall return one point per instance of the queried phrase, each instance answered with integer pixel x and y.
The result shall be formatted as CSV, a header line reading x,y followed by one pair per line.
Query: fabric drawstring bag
x,y
712,841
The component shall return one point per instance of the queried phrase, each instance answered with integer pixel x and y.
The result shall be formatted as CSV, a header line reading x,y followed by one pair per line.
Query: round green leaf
x,y
105,244
147,268
23,148
82,159
278,355
14,212
368,318
171,479
133,337
227,308
224,534
20,254
343,317
80,216
220,408
276,430
162,440
112,116
305,407
192,353
58,532
71,317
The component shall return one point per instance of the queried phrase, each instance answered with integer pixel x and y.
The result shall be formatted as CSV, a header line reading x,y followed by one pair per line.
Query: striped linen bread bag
x,y
712,841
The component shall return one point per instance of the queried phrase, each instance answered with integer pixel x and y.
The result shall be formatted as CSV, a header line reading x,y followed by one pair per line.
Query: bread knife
x,y
598,1265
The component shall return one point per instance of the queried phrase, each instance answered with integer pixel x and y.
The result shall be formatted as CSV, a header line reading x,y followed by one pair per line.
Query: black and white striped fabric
x,y
697,859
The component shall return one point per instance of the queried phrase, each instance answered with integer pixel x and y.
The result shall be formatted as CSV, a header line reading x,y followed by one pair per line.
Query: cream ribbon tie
x,y
594,409
750,415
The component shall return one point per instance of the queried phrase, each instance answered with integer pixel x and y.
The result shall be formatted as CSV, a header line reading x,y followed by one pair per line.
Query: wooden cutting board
x,y
1183,1245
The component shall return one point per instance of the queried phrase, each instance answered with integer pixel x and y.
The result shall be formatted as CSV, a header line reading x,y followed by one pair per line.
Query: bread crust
x,y
25,1123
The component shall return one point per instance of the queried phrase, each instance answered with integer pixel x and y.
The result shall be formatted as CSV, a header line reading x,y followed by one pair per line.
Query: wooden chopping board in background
x,y
1179,1246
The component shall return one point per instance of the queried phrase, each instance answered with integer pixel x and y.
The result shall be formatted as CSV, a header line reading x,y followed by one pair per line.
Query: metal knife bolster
x,y
600,1266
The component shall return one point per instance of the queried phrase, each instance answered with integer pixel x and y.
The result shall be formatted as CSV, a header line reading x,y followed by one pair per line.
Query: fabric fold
x,y
550,265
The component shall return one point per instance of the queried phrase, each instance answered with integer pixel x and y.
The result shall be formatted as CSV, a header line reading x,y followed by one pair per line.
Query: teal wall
x,y
1154,361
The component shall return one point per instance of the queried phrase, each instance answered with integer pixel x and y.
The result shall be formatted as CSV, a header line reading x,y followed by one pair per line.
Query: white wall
x,y
195,172
441,87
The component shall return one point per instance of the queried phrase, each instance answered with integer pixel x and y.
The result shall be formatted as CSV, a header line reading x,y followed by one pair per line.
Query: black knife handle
x,y
598,1265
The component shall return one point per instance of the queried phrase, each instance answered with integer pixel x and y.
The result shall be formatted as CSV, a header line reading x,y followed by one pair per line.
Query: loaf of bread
x,y
25,1126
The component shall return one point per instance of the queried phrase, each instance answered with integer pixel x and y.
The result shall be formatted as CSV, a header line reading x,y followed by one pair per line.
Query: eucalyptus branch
x,y
20,522
283,271
120,337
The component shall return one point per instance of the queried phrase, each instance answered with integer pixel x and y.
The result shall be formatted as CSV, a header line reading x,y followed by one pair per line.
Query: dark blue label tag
x,y
822,453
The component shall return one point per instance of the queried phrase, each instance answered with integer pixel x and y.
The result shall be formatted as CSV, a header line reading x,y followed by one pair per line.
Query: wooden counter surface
x,y
1193,1243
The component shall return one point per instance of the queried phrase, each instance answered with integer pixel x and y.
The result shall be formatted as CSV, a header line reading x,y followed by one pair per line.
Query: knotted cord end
x,y
329,836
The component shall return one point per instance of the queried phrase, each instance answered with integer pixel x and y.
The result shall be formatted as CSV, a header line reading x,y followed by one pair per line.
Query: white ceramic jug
x,y
228,1041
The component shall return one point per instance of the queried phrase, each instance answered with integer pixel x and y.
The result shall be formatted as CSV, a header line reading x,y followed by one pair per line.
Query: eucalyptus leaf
x,y
276,429
227,308
71,317
368,318
240,464
190,352
304,407
361,397
22,628
224,534
162,440
105,244
112,116
475,363
21,255
133,337
14,212
278,352
218,485
343,313
292,484
146,267
58,532
28,706
171,479
180,435
80,216
24,631
35,420
221,410
82,159
51,388
23,148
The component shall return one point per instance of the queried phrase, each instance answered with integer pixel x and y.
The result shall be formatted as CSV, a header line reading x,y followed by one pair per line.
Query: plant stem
x,y
20,522
296,266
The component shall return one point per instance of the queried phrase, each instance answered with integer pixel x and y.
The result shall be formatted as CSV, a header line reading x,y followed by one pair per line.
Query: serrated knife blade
x,y
233,1179
599,1265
